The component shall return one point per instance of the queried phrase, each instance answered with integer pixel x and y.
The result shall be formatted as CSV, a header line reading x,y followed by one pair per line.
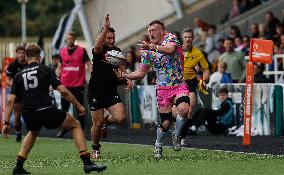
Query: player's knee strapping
x,y
164,117
183,99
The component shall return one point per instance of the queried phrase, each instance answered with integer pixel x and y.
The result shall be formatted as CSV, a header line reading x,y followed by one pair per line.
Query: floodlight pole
x,y
23,12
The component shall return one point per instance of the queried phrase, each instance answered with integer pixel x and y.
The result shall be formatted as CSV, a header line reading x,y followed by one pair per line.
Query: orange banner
x,y
261,51
5,63
248,103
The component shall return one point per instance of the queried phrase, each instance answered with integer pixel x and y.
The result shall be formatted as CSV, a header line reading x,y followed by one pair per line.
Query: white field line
x,y
200,149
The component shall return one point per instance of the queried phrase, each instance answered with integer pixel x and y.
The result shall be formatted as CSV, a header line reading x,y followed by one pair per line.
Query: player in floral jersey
x,y
164,55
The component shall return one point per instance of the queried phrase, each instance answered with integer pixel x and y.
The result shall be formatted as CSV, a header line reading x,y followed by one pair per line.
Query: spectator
x,y
254,30
221,76
258,74
55,62
244,6
210,44
238,44
216,121
263,31
235,9
271,22
235,61
282,13
234,32
246,43
71,70
220,46
279,32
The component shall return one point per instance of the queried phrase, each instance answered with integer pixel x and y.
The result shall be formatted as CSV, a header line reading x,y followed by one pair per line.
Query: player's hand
x,y
143,45
6,131
129,86
120,74
107,22
81,110
202,87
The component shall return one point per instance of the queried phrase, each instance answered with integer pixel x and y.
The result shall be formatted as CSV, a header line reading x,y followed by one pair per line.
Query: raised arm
x,y
98,47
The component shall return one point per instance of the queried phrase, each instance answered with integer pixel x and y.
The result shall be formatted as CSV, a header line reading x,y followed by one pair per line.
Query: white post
x,y
23,13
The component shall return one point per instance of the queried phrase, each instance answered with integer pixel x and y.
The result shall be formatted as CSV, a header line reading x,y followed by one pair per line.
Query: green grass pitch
x,y
59,156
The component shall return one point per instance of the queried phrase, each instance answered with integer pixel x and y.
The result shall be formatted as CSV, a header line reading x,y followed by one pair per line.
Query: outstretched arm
x,y
168,48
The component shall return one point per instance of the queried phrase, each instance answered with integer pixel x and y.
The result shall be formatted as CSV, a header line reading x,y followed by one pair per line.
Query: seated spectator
x,y
254,31
279,32
235,9
262,31
216,121
258,74
271,22
221,76
234,32
246,43
245,5
238,44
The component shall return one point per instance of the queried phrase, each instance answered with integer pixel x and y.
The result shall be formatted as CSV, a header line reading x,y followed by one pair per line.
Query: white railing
x,y
275,70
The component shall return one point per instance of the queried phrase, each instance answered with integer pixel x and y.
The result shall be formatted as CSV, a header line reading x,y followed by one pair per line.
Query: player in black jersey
x,y
102,90
12,70
32,86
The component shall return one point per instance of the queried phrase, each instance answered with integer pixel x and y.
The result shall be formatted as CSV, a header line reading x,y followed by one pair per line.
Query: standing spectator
x,y
14,68
221,76
216,121
235,61
254,31
72,74
271,22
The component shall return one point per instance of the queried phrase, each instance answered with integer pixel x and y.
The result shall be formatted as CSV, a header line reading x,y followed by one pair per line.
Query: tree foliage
x,y
42,17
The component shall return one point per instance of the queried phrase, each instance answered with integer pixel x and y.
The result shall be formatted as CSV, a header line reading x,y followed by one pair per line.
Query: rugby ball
x,y
115,58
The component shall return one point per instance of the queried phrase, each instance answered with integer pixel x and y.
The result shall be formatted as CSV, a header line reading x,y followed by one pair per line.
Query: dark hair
x,y
158,22
187,30
33,50
109,29
224,90
212,26
20,48
230,39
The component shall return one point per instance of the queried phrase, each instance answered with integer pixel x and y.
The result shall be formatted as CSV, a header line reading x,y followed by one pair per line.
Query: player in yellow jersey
x,y
192,57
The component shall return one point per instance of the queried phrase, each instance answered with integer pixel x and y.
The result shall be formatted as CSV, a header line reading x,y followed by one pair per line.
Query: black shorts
x,y
50,118
97,102
192,85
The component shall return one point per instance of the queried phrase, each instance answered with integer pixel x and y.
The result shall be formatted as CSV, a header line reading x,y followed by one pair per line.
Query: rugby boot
x,y
176,143
18,136
18,171
94,167
158,152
